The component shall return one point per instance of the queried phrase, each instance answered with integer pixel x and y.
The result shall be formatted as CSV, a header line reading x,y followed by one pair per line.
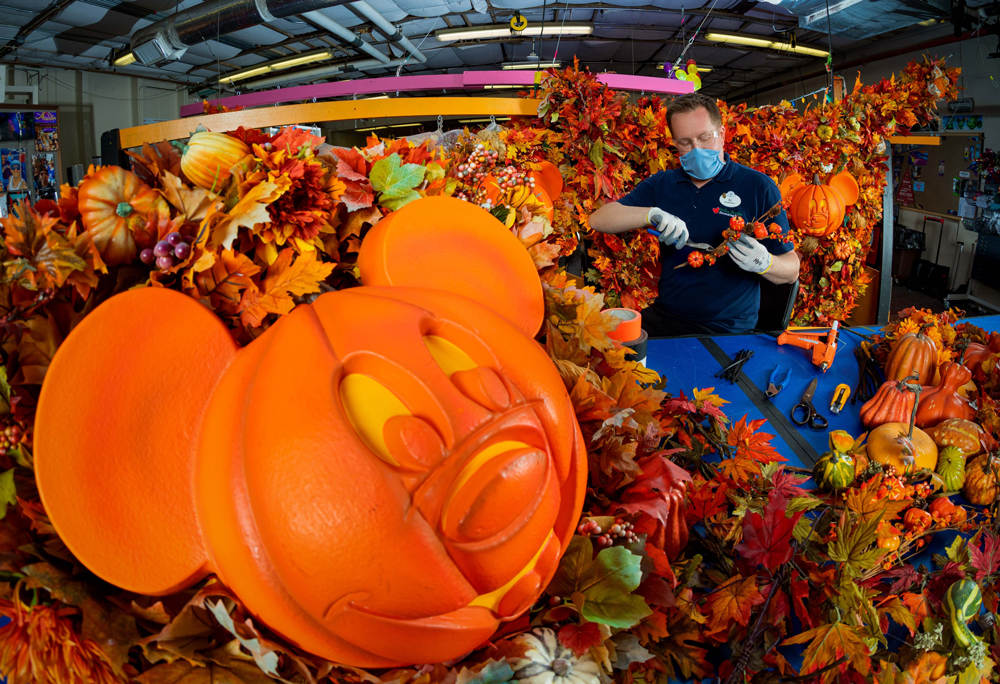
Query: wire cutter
x,y
773,384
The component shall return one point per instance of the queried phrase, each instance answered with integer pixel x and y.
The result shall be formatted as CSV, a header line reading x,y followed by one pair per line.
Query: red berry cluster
x,y
620,530
10,437
164,252
482,163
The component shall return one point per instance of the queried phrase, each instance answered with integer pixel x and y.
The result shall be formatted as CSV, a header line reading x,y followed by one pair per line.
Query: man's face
x,y
694,129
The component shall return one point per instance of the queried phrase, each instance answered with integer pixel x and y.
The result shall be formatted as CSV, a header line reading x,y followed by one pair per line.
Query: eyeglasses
x,y
702,140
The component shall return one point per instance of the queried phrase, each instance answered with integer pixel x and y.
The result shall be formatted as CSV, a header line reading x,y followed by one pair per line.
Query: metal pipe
x,y
168,39
322,72
345,34
388,29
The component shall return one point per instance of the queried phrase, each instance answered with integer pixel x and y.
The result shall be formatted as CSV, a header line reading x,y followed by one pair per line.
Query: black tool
x,y
732,371
812,417
869,377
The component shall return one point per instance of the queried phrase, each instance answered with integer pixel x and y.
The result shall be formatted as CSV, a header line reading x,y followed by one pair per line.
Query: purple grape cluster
x,y
165,251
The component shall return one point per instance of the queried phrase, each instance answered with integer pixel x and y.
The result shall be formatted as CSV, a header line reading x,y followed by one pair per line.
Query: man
x,y
695,202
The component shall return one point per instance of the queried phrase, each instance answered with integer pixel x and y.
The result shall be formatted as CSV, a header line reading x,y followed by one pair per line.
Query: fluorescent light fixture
x,y
504,31
125,59
929,22
532,65
782,46
375,97
379,128
506,87
277,65
701,69
497,118
823,14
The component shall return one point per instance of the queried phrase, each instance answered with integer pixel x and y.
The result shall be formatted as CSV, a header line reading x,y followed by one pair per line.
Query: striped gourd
x,y
951,468
834,470
208,157
962,602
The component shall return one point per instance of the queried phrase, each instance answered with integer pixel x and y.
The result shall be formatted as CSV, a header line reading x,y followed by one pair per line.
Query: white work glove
x,y
672,230
750,255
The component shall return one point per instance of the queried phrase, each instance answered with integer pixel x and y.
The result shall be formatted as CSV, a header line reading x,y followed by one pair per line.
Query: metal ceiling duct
x,y
860,19
168,39
388,29
345,34
323,72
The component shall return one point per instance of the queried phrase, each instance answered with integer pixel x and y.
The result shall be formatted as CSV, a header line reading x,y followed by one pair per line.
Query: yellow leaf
x,y
248,212
193,204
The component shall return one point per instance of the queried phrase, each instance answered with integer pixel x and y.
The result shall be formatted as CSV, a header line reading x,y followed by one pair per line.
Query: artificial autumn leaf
x,y
786,484
265,657
155,159
900,613
767,539
921,669
490,672
828,644
709,403
986,560
939,582
628,650
605,582
286,279
229,275
580,638
248,212
732,602
864,501
592,325
917,604
293,139
705,500
683,655
8,493
752,444
395,181
47,257
648,492
854,546
219,668
192,204
36,349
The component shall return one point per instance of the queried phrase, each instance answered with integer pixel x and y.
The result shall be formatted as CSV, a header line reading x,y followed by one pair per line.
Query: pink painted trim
x,y
469,80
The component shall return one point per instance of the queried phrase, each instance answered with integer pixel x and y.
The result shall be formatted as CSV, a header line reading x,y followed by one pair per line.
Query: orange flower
x,y
39,646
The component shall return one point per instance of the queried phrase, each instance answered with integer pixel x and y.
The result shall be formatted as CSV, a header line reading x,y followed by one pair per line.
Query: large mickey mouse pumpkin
x,y
383,477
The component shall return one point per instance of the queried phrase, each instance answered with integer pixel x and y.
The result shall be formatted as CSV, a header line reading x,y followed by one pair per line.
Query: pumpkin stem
x,y
816,180
183,147
916,389
123,209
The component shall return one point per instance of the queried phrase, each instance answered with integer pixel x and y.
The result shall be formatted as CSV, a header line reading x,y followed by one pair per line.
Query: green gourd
x,y
834,470
951,468
962,603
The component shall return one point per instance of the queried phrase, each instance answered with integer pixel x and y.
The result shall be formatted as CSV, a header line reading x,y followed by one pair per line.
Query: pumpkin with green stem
x,y
208,158
962,602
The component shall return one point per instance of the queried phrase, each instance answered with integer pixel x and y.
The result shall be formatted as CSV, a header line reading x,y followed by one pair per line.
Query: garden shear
x,y
774,385
703,246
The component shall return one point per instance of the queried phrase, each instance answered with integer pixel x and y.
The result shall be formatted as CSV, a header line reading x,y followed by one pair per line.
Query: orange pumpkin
x,y
912,353
817,209
113,205
383,477
962,434
974,355
209,157
889,445
893,403
944,401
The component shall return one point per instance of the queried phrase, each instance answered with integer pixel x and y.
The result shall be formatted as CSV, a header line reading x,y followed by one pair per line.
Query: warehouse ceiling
x,y
629,36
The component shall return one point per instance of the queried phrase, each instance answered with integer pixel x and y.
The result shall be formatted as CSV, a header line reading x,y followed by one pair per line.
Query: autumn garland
x,y
605,145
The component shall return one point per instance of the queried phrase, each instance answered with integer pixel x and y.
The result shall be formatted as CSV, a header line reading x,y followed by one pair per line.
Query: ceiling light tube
x,y
531,65
503,31
277,65
768,43
125,59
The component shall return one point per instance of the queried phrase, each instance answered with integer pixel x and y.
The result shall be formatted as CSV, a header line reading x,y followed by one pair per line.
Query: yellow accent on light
x,y
501,31
125,60
492,600
447,355
703,70
473,466
277,65
531,65
369,404
782,46
496,118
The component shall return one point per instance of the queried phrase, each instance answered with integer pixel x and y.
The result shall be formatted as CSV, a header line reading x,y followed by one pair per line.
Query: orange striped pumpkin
x,y
912,353
208,158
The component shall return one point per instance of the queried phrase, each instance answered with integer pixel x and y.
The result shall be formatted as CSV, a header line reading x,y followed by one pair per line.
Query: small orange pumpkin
x,y
113,205
893,403
981,487
209,157
974,355
941,402
913,352
818,209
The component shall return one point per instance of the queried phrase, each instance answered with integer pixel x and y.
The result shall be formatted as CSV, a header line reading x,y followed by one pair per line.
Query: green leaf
x,y
605,582
597,153
958,551
500,213
397,203
837,265
395,181
8,494
802,503
266,659
4,391
855,547
823,282
803,527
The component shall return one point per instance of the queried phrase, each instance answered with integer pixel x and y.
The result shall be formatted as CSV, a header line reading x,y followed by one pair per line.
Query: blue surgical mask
x,y
701,163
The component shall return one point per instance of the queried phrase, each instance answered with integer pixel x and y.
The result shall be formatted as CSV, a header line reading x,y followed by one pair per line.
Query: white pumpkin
x,y
546,661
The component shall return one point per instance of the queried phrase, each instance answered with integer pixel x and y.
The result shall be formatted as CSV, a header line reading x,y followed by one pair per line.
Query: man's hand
x,y
750,255
672,230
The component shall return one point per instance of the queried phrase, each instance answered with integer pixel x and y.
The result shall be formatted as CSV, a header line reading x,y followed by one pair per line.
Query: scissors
x,y
774,385
812,418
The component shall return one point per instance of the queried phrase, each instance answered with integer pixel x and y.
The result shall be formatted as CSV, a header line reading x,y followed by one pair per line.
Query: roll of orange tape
x,y
630,327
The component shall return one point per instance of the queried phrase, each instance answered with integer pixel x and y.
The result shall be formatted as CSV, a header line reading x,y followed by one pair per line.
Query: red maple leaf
x,y
357,195
902,576
986,561
786,484
653,490
705,499
731,602
752,444
767,539
294,139
679,406
579,638
353,162
939,583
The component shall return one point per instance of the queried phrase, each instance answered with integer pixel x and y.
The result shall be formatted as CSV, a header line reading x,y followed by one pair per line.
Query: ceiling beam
x,y
47,14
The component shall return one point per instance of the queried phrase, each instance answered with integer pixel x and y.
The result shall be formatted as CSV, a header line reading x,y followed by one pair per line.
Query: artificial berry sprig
x,y
619,530
738,227
482,164
164,252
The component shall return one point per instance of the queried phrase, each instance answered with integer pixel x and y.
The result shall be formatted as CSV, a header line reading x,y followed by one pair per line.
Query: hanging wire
x,y
400,69
695,34
566,11
541,36
829,42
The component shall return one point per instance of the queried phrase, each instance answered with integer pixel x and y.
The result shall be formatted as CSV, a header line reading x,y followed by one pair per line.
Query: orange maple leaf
x,y
733,601
828,644
752,444
917,603
222,284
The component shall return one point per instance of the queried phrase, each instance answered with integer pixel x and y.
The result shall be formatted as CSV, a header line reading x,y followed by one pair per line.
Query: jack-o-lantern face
x,y
818,209
382,477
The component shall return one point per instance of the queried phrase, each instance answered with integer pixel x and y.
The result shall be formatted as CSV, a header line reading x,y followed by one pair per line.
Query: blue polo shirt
x,y
724,296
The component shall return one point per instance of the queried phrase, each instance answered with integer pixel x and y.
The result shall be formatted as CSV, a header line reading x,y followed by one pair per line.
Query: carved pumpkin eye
x,y
478,383
369,405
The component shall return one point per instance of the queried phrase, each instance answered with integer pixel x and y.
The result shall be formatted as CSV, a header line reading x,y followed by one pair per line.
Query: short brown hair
x,y
691,102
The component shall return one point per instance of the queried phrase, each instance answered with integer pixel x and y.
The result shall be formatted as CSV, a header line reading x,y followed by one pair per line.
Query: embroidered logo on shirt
x,y
730,199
